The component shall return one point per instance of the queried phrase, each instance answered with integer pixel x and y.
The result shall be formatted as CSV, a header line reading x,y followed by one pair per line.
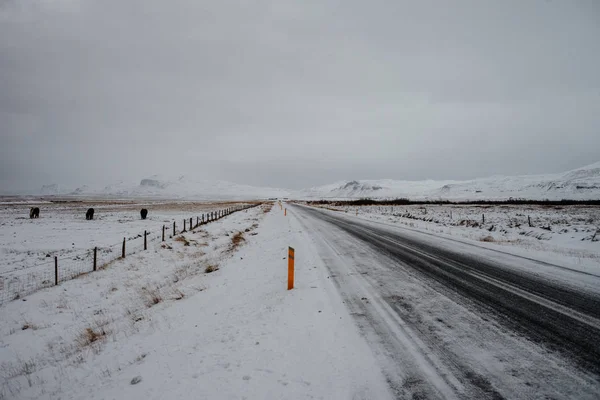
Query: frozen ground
x,y
62,229
568,235
28,247
377,312
157,325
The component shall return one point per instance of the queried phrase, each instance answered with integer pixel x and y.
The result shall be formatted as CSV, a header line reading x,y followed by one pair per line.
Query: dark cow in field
x,y
89,214
34,212
144,213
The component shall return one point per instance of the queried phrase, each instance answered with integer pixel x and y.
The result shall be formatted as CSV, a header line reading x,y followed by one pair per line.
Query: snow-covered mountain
x,y
182,187
579,184
582,183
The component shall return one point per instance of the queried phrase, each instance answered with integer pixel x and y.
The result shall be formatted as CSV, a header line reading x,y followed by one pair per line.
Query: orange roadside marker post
x,y
290,268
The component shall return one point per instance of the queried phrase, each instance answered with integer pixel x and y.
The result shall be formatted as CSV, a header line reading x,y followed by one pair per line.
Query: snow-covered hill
x,y
182,187
582,183
579,184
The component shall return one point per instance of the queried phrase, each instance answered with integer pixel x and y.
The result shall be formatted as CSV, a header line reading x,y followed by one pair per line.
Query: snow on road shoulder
x,y
567,235
156,325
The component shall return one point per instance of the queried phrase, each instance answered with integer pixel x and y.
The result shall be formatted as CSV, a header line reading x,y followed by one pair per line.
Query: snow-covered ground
x,y
28,246
63,230
579,184
569,235
157,325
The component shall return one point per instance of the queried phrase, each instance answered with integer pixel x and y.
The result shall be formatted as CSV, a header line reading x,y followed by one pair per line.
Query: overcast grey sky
x,y
295,93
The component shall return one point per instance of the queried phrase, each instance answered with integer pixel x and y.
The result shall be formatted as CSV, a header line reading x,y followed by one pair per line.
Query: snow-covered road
x,y
452,320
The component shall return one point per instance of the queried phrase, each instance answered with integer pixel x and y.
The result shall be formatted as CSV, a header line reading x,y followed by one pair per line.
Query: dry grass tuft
x,y
177,294
488,239
28,325
237,240
183,240
152,296
89,336
92,334
211,268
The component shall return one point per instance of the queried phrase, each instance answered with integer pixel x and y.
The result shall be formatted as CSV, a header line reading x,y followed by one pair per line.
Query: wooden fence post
x,y
173,228
191,223
183,225
145,242
482,219
95,258
55,270
163,238
529,220
197,221
123,251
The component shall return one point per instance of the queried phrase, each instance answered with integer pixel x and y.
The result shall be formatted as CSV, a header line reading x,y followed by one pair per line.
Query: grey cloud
x,y
294,94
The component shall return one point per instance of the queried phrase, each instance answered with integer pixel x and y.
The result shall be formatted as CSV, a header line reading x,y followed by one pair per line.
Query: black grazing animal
x,y
34,212
89,214
144,213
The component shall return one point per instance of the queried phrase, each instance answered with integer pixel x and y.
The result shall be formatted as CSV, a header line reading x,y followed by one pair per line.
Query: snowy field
x,y
569,235
28,246
204,316
207,315
63,230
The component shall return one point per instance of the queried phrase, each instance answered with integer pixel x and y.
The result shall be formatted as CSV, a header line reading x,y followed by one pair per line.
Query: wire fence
x,y
18,283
